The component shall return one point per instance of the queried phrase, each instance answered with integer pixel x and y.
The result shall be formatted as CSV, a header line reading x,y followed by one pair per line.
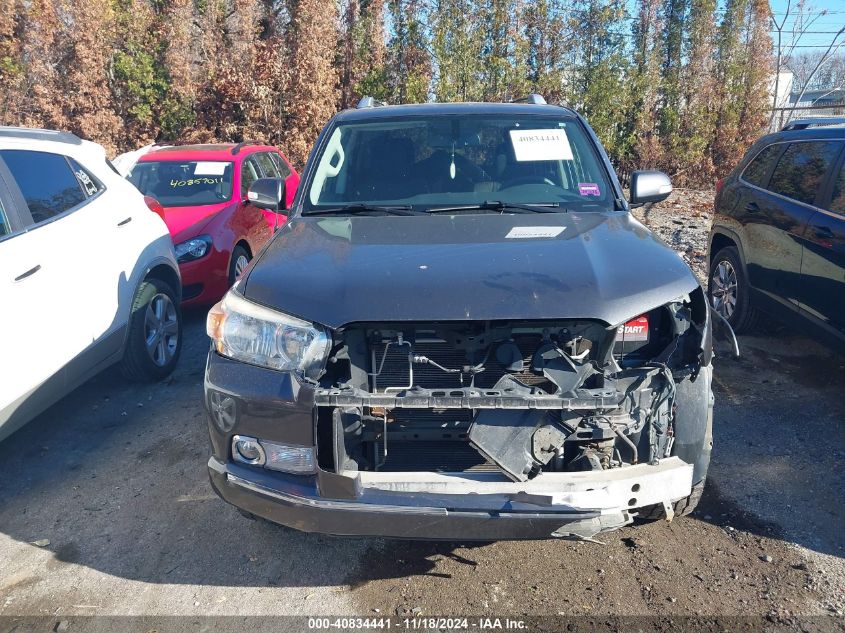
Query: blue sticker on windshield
x,y
588,189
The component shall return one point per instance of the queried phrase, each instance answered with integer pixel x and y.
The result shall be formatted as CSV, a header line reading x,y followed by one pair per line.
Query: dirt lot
x,y
683,222
105,509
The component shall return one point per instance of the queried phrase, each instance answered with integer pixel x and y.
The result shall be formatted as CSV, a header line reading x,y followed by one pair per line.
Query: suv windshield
x,y
452,160
184,183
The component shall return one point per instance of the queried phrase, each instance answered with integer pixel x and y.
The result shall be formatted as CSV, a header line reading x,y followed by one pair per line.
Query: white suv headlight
x,y
248,332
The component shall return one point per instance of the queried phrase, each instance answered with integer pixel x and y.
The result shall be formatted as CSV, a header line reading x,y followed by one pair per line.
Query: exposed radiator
x,y
395,372
435,457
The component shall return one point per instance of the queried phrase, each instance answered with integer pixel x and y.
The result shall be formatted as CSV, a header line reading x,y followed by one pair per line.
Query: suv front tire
x,y
728,289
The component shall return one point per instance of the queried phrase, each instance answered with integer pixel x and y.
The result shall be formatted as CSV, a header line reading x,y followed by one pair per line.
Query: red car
x,y
201,192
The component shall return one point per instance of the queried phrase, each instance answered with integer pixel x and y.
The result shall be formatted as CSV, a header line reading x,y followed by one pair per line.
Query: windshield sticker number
x,y
588,189
196,181
536,145
529,232
208,168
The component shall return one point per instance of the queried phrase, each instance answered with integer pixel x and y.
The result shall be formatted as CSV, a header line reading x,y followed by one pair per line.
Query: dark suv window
x,y
759,168
802,169
837,200
46,181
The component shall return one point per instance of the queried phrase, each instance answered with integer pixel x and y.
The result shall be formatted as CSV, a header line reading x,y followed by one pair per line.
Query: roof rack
x,y
38,134
533,98
803,124
369,102
237,148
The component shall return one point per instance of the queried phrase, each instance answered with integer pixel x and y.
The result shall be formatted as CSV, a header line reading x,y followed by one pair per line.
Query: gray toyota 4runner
x,y
461,333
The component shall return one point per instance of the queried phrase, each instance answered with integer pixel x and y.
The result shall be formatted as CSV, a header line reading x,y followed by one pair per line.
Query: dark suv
x,y
778,239
461,333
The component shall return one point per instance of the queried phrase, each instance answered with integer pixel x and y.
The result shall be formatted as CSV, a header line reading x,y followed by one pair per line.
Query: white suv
x,y
88,277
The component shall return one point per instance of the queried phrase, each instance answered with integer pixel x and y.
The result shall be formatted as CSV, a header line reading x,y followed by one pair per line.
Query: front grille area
x,y
395,371
454,457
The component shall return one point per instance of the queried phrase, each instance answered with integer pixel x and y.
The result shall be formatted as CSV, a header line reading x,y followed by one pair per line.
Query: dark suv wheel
x,y
727,287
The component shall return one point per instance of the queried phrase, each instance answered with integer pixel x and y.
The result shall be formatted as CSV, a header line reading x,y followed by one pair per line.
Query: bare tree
x,y
829,54
797,19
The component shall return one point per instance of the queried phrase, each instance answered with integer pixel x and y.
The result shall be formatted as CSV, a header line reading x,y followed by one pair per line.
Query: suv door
x,y
111,260
775,214
43,269
823,265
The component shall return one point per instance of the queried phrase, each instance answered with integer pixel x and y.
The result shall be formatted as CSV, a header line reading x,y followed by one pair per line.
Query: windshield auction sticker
x,y
533,145
210,168
528,232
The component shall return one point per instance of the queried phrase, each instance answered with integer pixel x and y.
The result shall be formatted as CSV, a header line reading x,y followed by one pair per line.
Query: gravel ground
x,y
683,222
105,509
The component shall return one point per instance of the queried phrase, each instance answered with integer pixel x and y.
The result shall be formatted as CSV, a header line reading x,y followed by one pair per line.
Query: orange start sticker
x,y
633,330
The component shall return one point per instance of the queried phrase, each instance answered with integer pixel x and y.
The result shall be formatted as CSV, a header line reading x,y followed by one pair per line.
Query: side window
x,y
759,168
837,199
802,170
249,174
282,166
46,181
267,165
90,185
5,229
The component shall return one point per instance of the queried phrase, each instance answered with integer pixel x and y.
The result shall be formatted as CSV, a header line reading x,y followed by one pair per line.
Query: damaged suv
x,y
461,333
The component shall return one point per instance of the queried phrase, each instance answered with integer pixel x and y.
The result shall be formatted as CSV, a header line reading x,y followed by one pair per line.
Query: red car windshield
x,y
184,183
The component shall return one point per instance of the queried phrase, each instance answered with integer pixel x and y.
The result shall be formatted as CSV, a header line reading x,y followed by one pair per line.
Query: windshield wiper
x,y
366,209
502,207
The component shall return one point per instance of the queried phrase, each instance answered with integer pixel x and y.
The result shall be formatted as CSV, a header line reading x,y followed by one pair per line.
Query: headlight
x,y
245,331
193,248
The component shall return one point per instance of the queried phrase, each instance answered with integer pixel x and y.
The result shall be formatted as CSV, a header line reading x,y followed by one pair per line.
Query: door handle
x,y
28,273
752,207
823,231
125,222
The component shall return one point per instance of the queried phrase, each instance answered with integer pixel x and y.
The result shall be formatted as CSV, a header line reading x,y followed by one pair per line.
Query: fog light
x,y
247,450
298,460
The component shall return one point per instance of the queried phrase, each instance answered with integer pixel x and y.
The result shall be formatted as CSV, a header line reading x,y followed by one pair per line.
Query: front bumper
x,y
465,506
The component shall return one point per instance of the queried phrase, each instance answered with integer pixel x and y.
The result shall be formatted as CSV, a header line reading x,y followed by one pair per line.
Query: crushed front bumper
x,y
467,506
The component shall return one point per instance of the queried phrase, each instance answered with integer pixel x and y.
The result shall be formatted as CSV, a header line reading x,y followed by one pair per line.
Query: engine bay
x,y
520,398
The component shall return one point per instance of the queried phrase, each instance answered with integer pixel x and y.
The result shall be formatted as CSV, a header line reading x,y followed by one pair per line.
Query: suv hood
x,y
339,270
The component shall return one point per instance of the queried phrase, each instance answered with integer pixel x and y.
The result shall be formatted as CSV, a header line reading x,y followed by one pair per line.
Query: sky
x,y
822,29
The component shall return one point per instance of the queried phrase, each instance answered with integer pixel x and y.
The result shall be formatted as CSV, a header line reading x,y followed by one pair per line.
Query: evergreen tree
x,y
675,13
11,62
312,93
698,85
545,42
503,62
458,51
598,77
410,68
731,64
647,150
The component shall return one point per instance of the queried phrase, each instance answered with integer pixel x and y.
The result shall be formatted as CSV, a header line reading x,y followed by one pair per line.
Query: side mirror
x,y
649,186
268,193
